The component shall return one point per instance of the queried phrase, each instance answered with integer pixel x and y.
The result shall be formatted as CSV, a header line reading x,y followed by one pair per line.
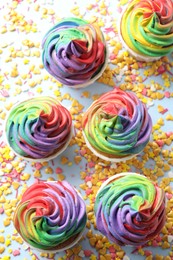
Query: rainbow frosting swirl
x,y
74,51
117,124
38,127
130,209
147,27
49,215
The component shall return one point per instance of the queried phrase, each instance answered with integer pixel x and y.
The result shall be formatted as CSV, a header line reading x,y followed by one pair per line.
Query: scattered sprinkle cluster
x,y
22,73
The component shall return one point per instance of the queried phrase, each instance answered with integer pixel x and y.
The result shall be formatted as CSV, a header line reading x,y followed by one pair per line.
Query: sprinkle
x,y
58,170
169,117
64,160
77,159
167,94
87,253
16,252
2,249
2,239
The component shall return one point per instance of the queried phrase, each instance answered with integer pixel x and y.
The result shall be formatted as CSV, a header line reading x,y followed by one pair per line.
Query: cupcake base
x,y
111,159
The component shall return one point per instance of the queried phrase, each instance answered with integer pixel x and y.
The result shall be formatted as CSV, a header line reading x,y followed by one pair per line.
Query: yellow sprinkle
x,y
44,254
169,117
14,73
51,11
160,121
39,90
25,176
61,177
2,249
77,159
49,170
64,160
93,257
3,29
50,179
165,245
37,174
6,222
19,240
92,241
3,115
2,240
25,61
15,185
36,7
8,242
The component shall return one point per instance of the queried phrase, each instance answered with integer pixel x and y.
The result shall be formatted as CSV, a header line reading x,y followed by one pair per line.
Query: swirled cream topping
x,y
49,214
147,27
74,51
117,124
38,127
130,210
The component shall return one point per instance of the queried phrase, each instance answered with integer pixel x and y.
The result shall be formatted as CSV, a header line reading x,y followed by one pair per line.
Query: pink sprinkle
x,y
154,243
161,69
140,64
91,164
167,94
119,9
111,249
1,210
87,178
144,91
112,57
4,93
88,192
30,94
147,252
169,196
58,170
87,252
82,152
113,256
164,111
133,77
109,29
160,143
168,134
158,238
38,166
16,252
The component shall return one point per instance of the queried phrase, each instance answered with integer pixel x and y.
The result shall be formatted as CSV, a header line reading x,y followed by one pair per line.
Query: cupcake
x,y
130,209
117,126
51,216
38,128
74,52
146,29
